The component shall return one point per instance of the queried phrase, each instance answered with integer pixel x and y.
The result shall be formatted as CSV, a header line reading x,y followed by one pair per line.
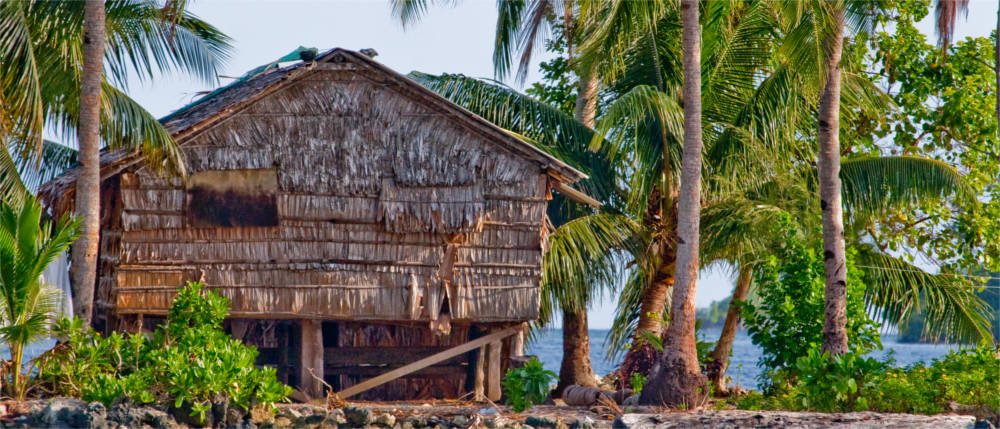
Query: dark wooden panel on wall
x,y
227,198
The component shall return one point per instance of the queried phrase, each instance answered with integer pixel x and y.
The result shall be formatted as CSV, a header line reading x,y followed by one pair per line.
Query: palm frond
x,y
642,130
408,12
22,109
12,189
584,257
56,159
127,125
627,314
872,185
614,27
509,16
896,289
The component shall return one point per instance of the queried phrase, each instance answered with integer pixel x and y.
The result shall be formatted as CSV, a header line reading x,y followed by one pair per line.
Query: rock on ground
x,y
733,419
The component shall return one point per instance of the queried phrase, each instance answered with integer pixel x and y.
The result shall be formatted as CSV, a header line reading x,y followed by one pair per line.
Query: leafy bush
x,y
637,381
968,377
189,362
786,319
965,377
834,384
527,385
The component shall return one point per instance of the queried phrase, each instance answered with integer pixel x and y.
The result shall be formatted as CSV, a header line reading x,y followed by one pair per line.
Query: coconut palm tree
x,y
43,47
678,379
83,270
760,119
27,305
735,232
645,124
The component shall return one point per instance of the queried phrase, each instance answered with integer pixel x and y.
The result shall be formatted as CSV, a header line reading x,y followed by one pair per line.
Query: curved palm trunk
x,y
576,367
655,294
678,380
641,357
720,354
834,256
655,297
88,187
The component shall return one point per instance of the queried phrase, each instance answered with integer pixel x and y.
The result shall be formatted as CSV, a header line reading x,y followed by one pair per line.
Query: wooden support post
x,y
311,358
493,365
517,345
479,391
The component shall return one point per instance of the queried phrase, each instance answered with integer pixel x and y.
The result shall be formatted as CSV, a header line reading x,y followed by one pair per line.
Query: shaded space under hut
x,y
356,221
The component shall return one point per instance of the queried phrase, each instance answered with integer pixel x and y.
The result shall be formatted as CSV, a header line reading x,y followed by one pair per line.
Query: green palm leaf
x,y
896,289
27,247
584,257
872,185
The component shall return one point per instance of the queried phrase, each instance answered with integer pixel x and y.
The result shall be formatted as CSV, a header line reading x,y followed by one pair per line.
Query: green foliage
x,y
557,86
834,384
189,362
527,385
786,318
944,110
636,381
967,377
850,382
27,305
41,55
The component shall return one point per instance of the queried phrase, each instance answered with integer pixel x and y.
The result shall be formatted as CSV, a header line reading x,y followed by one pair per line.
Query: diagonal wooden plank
x,y
426,362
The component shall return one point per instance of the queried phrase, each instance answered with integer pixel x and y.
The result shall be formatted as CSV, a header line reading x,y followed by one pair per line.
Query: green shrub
x,y
189,362
527,385
636,381
968,377
834,384
786,319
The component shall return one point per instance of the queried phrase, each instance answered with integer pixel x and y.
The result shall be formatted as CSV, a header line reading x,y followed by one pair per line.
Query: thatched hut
x,y
356,221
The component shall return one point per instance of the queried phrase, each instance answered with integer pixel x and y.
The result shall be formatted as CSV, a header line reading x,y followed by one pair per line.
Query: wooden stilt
x,y
311,358
479,391
493,365
517,346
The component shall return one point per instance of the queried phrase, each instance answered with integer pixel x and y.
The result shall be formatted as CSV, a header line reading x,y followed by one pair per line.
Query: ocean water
x,y
743,369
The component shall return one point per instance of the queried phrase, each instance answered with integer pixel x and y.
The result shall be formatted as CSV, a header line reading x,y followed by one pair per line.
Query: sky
x,y
456,39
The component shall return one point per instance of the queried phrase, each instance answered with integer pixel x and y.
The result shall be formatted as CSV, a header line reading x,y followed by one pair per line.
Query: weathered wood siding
x,y
372,187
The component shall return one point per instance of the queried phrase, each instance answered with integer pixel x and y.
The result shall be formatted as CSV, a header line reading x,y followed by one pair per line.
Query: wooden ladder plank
x,y
426,362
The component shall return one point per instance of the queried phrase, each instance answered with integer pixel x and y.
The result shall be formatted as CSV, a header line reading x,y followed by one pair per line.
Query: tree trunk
x,y
586,98
655,297
642,357
678,380
576,368
720,355
996,69
88,186
834,256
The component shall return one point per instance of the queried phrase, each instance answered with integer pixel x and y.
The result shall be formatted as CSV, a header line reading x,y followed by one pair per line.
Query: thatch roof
x,y
188,121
